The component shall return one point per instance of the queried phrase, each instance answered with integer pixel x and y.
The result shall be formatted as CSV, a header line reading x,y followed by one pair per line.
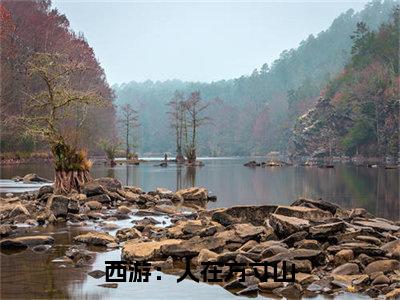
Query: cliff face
x,y
317,132
358,112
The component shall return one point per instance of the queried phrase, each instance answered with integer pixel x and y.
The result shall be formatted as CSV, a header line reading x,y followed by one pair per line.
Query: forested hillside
x,y
358,113
30,29
254,114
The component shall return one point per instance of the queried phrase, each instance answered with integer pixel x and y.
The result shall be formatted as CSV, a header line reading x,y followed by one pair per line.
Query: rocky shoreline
x,y
334,249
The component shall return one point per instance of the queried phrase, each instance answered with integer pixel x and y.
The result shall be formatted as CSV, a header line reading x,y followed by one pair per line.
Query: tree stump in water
x,y
68,181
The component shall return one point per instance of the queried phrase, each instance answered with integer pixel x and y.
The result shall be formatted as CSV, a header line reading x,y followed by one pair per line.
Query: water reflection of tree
x,y
189,178
178,176
132,175
376,190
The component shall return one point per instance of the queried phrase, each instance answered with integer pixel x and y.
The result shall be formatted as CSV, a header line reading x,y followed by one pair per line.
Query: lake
x,y
375,189
29,274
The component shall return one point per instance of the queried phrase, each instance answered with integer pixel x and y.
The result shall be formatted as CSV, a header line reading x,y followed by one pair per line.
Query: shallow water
x,y
374,189
27,274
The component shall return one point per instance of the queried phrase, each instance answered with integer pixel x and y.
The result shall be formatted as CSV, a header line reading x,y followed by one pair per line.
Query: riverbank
x,y
334,250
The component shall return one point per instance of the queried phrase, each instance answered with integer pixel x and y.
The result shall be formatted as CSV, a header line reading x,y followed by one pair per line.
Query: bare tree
x,y
128,121
178,122
195,109
51,107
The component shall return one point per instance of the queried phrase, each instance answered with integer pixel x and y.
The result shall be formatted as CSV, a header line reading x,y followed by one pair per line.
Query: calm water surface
x,y
374,189
27,275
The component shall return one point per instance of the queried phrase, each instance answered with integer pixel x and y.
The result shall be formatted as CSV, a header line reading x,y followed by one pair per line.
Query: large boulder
x,y
58,205
93,205
92,188
46,189
358,248
327,229
301,212
285,226
128,234
248,231
206,255
164,193
253,214
142,251
324,205
128,195
28,178
95,238
346,269
392,248
377,224
192,194
384,265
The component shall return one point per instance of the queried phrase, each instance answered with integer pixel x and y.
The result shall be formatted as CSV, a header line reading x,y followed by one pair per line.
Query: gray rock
x,y
58,205
110,184
346,269
102,198
285,226
46,189
255,215
327,229
34,178
92,189
302,212
386,265
97,274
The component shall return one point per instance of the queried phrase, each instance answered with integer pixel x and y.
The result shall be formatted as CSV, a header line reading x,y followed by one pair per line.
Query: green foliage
x,y
361,104
110,148
67,158
360,134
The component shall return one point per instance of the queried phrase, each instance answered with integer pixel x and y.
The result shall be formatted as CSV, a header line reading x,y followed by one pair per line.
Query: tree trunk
x,y
70,181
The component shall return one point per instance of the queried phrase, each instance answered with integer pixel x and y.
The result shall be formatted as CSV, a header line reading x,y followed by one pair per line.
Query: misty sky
x,y
197,41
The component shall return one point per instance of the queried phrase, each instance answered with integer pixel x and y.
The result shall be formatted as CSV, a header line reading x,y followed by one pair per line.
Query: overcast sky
x,y
197,41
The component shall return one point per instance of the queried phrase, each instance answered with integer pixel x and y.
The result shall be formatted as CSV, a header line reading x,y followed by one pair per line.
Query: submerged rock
x,y
95,238
26,241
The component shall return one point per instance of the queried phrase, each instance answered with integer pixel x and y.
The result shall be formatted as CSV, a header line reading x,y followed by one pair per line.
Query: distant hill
x,y
254,114
358,113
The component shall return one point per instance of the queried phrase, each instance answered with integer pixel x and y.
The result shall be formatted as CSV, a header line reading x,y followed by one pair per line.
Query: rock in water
x,y
192,194
58,205
95,238
34,178
26,241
